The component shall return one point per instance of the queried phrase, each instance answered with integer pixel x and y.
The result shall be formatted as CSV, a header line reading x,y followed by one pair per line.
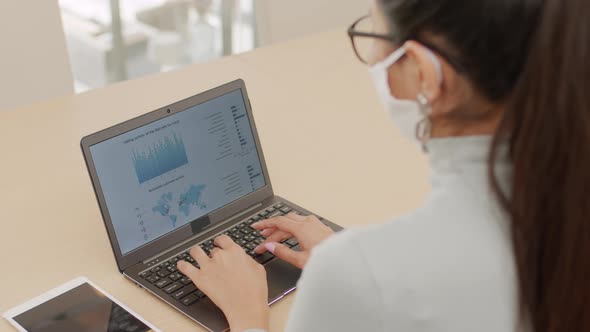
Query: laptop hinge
x,y
173,248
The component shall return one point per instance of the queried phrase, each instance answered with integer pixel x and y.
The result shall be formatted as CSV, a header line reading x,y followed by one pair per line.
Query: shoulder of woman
x,y
341,254
337,291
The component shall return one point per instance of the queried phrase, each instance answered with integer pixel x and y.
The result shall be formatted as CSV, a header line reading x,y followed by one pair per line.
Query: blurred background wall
x,y
34,63
55,47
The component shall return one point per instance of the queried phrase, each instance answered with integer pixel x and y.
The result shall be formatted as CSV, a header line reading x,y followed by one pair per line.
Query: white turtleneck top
x,y
447,267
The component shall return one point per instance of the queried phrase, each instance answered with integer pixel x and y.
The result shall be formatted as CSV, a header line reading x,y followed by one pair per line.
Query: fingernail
x,y
254,224
265,232
270,247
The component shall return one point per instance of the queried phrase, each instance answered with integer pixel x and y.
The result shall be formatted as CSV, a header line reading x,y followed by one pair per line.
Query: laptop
x,y
178,177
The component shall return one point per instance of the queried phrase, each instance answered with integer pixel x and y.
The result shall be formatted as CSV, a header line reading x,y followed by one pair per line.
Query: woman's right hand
x,y
308,230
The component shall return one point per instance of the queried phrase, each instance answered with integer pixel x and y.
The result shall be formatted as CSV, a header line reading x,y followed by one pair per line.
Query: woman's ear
x,y
428,69
438,81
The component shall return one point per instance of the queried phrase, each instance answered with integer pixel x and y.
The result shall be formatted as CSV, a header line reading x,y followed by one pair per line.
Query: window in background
x,y
115,40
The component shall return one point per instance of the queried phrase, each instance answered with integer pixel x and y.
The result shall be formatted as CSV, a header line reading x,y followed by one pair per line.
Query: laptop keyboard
x,y
167,277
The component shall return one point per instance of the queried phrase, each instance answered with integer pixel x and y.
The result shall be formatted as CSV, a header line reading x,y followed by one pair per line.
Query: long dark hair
x,y
532,56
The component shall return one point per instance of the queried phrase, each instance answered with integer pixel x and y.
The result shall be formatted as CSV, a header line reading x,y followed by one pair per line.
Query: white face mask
x,y
406,114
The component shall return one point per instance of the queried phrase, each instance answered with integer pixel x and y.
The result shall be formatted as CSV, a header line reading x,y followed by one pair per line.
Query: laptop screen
x,y
168,173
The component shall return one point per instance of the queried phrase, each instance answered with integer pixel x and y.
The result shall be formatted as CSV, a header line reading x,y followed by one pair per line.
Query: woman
x,y
496,92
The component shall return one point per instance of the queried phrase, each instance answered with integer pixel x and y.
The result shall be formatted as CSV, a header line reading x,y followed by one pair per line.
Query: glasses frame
x,y
352,33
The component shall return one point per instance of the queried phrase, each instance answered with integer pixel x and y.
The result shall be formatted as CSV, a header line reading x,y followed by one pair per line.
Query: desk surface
x,y
322,129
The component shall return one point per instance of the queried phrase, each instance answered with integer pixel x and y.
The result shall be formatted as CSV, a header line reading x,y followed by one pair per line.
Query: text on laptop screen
x,y
168,173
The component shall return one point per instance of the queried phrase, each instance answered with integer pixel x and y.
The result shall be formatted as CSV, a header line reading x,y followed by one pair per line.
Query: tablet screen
x,y
80,309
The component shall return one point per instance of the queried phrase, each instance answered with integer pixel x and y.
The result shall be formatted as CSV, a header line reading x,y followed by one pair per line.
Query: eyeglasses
x,y
363,42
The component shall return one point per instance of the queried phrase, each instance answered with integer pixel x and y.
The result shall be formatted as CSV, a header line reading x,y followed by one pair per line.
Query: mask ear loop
x,y
437,65
424,127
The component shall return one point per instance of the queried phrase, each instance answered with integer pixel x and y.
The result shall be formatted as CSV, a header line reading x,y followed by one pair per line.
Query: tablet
x,y
78,305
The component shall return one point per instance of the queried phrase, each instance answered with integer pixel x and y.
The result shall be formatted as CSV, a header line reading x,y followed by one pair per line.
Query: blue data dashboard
x,y
168,173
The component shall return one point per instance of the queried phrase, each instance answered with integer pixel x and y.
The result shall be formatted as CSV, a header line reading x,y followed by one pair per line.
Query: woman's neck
x,y
471,121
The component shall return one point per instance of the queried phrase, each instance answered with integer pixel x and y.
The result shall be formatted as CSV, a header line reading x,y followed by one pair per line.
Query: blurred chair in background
x,y
156,35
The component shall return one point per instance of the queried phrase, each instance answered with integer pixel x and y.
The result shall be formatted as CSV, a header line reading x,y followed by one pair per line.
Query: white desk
x,y
328,145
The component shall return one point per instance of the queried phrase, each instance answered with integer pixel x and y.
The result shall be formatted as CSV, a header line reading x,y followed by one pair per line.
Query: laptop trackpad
x,y
282,277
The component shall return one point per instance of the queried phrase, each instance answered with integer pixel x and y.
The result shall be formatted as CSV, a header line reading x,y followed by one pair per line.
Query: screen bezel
x,y
195,227
14,312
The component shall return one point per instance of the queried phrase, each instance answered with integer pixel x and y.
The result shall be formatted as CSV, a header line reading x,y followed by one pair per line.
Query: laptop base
x,y
282,278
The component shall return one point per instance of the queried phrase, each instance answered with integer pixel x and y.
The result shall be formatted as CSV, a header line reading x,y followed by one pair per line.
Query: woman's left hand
x,y
233,281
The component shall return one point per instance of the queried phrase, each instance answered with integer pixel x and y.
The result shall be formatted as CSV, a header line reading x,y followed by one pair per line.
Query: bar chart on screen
x,y
162,157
